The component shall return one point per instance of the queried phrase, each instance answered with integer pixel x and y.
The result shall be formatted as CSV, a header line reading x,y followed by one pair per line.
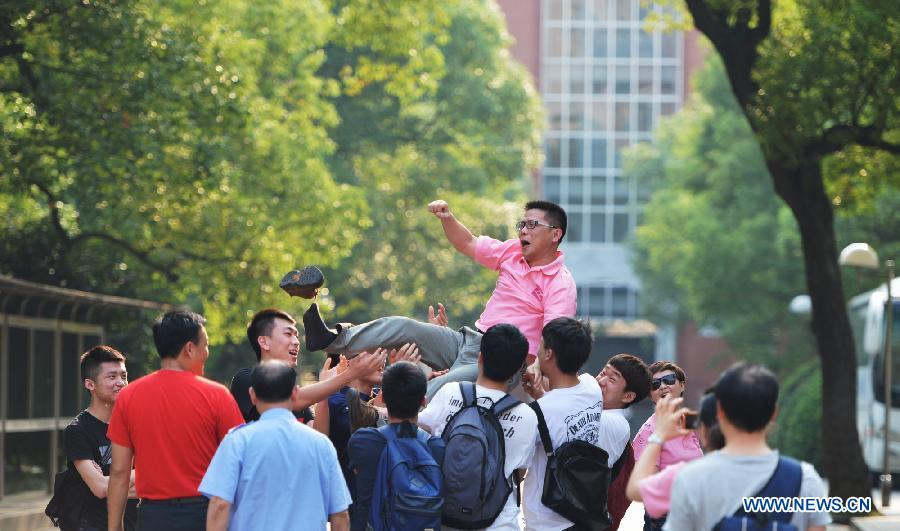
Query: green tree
x,y
172,151
467,135
815,80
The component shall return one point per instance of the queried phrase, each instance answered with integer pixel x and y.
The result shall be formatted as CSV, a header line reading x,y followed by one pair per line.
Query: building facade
x,y
606,79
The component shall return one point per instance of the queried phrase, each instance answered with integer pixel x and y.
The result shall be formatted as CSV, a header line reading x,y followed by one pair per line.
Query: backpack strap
x,y
542,427
467,390
505,403
784,483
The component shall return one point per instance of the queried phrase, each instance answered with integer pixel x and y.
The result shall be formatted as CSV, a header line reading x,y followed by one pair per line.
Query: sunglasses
x,y
668,379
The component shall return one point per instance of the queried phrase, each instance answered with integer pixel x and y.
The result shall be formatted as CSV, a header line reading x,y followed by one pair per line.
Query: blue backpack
x,y
407,494
475,485
785,482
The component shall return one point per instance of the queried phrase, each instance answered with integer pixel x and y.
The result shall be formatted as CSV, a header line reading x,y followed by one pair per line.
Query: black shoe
x,y
303,283
318,335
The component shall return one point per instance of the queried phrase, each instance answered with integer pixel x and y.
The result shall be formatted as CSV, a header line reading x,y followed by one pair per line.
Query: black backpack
x,y
576,480
64,508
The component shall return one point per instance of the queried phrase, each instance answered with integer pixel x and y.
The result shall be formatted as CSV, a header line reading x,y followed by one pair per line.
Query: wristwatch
x,y
655,439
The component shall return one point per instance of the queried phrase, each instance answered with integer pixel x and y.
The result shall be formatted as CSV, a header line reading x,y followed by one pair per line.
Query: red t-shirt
x,y
173,421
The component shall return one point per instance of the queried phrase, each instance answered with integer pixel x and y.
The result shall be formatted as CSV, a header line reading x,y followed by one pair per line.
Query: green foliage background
x,y
718,247
194,152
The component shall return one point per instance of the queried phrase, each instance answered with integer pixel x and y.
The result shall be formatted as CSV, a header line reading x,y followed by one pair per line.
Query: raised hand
x,y
441,318
408,352
435,374
440,209
366,362
328,372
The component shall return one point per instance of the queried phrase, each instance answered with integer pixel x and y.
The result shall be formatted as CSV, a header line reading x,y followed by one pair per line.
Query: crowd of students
x,y
419,426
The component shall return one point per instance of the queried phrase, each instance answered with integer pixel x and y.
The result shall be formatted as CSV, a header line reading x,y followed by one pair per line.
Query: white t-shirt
x,y
571,413
614,433
519,425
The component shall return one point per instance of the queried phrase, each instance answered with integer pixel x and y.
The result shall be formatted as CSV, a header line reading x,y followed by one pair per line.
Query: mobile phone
x,y
691,420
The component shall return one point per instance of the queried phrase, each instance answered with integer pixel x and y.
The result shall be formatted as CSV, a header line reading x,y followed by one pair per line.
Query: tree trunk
x,y
803,190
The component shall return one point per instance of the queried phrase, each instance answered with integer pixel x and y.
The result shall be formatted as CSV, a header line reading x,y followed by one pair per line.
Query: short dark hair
x,y
636,374
665,365
555,214
715,440
503,352
403,386
172,330
570,339
261,325
273,381
93,358
747,394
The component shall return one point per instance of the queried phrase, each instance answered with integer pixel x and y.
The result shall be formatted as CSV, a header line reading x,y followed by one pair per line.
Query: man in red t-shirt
x,y
169,424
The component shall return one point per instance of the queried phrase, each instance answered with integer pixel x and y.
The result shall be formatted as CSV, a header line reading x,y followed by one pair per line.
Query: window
x,y
551,153
41,379
645,44
576,116
71,375
598,152
599,85
600,10
553,79
617,156
579,9
598,118
620,302
554,115
601,50
574,229
598,192
576,190
620,227
645,80
598,227
620,191
623,80
667,80
17,390
623,43
576,78
576,43
623,116
623,10
645,117
576,153
555,9
668,44
552,188
554,42
597,301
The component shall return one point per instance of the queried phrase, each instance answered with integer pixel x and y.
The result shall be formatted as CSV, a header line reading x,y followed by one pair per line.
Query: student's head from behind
x,y
403,386
181,335
747,395
666,379
710,434
503,352
272,381
625,380
273,332
565,345
103,372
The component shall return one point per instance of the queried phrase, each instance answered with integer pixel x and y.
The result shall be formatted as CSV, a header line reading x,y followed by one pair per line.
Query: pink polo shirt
x,y
527,297
656,490
676,450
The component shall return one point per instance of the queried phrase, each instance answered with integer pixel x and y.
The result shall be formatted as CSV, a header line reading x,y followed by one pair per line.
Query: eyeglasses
x,y
668,379
532,224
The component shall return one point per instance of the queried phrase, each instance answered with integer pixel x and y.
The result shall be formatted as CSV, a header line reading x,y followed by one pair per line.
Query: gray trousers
x,y
441,347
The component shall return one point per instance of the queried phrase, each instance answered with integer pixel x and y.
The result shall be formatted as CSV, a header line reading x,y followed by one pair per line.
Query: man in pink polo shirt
x,y
533,288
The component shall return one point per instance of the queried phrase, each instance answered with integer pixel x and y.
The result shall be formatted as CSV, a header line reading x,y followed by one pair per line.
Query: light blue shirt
x,y
277,473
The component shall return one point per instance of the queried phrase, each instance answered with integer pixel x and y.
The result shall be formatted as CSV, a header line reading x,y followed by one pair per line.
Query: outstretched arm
x,y
456,232
363,364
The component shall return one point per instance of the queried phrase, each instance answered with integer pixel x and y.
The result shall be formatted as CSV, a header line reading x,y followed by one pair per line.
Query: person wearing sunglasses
x,y
533,288
667,380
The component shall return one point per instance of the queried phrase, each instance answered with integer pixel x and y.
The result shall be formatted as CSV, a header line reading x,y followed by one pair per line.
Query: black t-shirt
x,y
240,390
85,438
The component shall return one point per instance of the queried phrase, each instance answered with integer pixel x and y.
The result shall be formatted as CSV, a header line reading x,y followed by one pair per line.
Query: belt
x,y
174,501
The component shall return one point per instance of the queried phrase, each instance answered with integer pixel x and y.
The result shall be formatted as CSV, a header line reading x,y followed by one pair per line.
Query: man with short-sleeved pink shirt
x,y
533,288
